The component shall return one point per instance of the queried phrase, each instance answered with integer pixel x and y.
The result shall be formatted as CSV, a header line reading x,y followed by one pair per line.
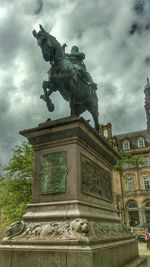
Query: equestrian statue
x,y
68,75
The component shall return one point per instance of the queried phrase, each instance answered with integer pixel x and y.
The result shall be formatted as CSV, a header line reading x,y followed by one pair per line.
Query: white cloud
x,y
117,60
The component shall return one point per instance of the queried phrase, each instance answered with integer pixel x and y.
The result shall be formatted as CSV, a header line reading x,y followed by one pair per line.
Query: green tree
x,y
15,186
132,161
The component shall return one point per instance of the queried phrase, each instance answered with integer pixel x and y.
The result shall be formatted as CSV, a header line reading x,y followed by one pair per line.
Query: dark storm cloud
x,y
142,19
39,7
147,60
139,6
118,61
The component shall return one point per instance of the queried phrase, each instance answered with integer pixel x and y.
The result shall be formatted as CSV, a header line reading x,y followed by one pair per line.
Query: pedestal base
x,y
117,254
72,221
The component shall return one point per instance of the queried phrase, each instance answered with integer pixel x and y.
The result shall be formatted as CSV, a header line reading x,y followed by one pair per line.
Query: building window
x,y
141,142
133,213
147,211
132,205
126,145
125,166
145,160
147,204
106,133
146,182
130,184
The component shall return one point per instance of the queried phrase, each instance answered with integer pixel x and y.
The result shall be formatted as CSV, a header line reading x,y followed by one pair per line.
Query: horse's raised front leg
x,y
48,90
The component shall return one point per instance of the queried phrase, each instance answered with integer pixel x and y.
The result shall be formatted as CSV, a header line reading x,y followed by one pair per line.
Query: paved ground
x,y
143,251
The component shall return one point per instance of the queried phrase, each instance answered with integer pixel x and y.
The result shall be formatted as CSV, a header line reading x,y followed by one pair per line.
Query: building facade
x,y
132,184
133,200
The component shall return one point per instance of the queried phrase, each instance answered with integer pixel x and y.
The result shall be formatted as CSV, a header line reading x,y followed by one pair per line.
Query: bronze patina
x,y
68,75
53,173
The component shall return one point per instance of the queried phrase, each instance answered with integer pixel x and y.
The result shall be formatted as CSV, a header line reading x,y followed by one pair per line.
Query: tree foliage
x,y
21,163
15,186
132,161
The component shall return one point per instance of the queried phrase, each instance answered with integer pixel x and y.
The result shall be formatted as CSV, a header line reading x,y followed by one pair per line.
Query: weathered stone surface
x,y
115,254
71,220
95,180
81,230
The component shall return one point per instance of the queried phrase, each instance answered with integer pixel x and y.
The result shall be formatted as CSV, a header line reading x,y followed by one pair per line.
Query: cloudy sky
x,y
114,35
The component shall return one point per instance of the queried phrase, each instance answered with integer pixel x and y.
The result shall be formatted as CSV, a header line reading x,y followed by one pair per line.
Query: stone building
x,y
133,200
132,186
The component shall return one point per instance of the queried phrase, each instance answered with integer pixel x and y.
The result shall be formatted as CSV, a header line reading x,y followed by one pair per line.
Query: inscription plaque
x,y
53,172
95,180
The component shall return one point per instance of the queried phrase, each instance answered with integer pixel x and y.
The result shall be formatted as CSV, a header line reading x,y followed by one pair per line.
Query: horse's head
x,y
51,49
43,40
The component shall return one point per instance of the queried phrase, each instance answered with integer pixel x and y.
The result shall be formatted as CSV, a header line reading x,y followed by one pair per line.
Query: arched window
x,y
132,205
133,213
126,144
141,142
147,204
147,210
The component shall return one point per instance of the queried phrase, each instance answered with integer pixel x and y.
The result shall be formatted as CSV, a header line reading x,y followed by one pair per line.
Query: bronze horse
x,y
66,79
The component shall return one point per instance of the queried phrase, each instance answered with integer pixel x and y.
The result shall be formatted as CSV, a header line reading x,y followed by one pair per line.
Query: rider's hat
x,y
75,53
75,49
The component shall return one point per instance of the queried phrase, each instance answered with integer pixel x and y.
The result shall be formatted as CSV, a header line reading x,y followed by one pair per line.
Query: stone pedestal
x,y
71,220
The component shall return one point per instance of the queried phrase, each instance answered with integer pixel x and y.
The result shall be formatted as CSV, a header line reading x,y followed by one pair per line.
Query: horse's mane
x,y
52,42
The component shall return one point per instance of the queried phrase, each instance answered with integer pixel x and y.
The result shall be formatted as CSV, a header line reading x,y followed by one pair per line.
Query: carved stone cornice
x,y
76,230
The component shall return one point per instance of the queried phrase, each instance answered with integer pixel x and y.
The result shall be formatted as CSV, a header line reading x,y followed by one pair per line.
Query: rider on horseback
x,y
68,75
76,58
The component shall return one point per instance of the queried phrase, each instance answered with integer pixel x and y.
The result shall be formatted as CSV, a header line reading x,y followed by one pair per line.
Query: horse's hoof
x,y
48,120
51,107
42,97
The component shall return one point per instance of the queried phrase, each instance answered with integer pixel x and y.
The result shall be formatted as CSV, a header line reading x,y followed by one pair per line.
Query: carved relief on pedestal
x,y
78,229
95,180
15,229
